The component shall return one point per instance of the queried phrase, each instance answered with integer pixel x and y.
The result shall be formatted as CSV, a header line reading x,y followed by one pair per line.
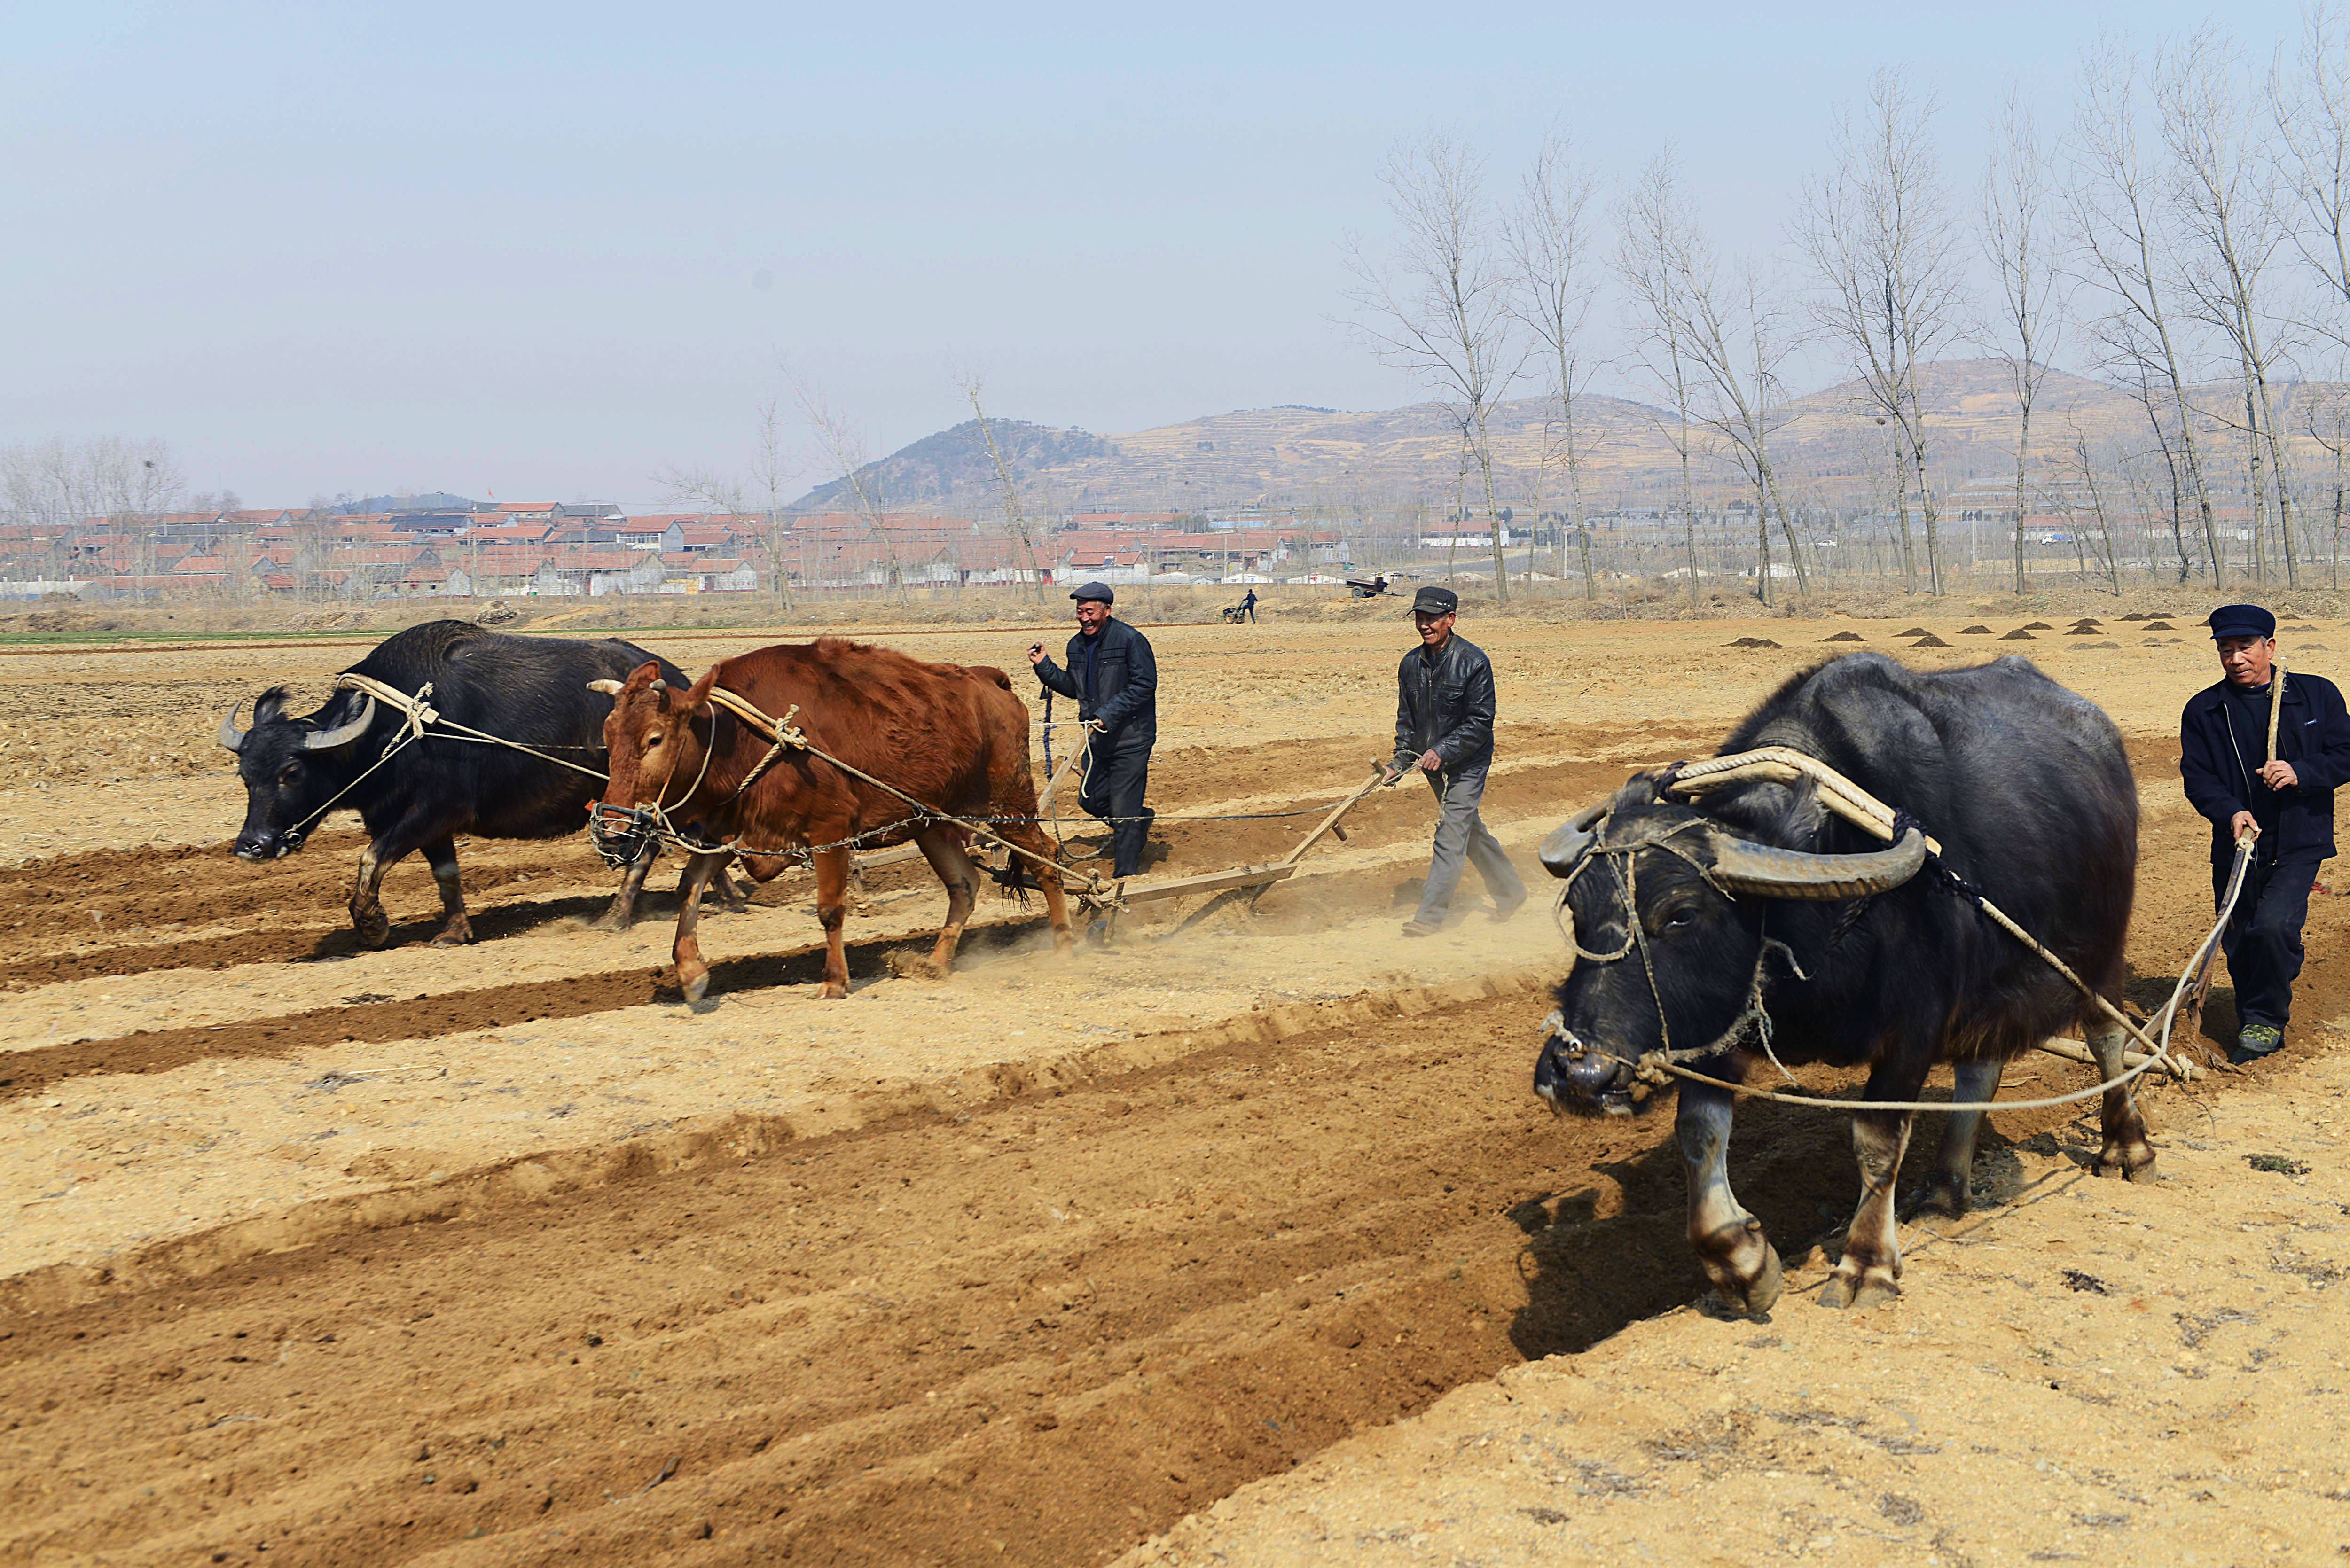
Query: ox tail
x,y
1014,880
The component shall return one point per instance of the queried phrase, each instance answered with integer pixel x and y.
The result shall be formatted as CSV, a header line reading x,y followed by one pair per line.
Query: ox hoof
x,y
612,921
1943,1199
1868,1288
694,987
1759,1294
373,926
835,991
453,937
2146,1172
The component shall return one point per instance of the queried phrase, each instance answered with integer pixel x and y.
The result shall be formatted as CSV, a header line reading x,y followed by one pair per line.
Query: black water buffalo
x,y
1767,923
529,689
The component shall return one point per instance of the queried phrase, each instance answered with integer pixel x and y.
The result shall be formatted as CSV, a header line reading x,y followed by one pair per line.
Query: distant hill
x,y
433,500
1828,445
951,469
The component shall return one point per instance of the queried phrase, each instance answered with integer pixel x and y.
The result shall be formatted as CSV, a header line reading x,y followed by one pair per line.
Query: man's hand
x,y
1429,763
1095,725
1035,653
2280,774
2241,824
1388,774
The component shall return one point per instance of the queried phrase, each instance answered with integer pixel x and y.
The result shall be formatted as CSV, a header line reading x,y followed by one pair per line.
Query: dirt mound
x,y
2018,635
497,612
69,620
2037,625
1976,630
1929,640
1750,642
1844,637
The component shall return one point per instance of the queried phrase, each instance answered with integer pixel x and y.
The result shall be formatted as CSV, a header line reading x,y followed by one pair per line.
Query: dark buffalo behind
x,y
2028,790
529,689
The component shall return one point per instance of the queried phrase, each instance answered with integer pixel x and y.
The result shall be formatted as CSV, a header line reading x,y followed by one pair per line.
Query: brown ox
x,y
954,739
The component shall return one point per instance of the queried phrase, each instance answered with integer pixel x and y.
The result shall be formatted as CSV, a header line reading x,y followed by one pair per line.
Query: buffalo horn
x,y
1567,843
608,688
1748,867
342,734
231,737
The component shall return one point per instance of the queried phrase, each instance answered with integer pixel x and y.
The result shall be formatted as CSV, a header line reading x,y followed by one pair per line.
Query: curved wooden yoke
x,y
1784,765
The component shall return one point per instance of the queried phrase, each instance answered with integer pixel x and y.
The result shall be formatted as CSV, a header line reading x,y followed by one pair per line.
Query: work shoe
x,y
2256,1041
1502,912
1420,929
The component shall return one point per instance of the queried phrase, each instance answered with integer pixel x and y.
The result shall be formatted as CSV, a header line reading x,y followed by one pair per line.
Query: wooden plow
x,y
1245,884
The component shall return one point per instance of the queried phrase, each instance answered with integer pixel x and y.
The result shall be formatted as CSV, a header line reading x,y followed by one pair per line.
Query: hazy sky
x,y
550,250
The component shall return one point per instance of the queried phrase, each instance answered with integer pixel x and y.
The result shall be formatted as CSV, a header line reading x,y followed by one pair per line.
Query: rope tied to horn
x,y
1741,865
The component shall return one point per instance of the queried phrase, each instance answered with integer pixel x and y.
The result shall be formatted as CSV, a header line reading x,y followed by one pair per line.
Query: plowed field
x,y
504,1255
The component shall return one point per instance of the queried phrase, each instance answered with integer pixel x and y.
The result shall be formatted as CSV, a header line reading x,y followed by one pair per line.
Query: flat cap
x,y
1433,600
2241,620
1094,591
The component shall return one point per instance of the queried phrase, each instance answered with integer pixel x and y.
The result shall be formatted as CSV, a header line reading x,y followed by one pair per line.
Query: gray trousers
x,y
1462,835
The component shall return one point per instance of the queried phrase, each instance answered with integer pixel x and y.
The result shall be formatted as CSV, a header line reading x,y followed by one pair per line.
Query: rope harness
x,y
417,714
619,826
1847,800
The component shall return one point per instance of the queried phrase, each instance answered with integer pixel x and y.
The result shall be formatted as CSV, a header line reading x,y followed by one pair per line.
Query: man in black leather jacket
x,y
1444,727
2230,778
1115,679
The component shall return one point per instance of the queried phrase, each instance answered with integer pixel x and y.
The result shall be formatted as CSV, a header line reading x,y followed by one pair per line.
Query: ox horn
x,y
1745,866
342,734
232,738
608,688
1565,846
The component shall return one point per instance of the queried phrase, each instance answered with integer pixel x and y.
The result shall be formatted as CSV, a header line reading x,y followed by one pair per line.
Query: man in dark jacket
x,y
1444,727
2230,778
1115,679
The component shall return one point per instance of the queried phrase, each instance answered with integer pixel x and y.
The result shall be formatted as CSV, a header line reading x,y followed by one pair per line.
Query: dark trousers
x,y
2263,941
1461,837
1117,774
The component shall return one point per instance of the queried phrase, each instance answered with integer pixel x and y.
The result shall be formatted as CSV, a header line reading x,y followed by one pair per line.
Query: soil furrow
x,y
895,1346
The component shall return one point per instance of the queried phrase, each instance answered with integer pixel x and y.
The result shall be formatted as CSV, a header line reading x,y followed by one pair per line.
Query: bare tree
x,y
1549,238
1737,334
2311,99
772,468
1878,233
2227,197
2120,231
2016,239
2327,420
843,445
1015,520
1440,310
1648,236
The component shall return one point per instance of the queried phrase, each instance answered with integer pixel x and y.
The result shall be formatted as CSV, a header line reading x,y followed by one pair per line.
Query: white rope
x,y
783,733
1651,1063
419,714
1784,765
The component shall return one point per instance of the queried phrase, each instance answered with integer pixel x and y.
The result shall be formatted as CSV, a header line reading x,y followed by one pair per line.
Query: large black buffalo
x,y
1766,924
532,690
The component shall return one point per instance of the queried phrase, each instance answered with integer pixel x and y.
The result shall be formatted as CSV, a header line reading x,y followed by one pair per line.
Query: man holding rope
x,y
1115,679
1444,728
2254,756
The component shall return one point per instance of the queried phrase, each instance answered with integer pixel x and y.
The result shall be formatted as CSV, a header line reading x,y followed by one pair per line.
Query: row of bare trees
x,y
2185,236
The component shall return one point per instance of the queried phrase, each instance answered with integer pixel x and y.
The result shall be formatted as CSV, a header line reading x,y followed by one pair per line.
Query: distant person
x,y
1115,679
1248,607
1444,727
2230,778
